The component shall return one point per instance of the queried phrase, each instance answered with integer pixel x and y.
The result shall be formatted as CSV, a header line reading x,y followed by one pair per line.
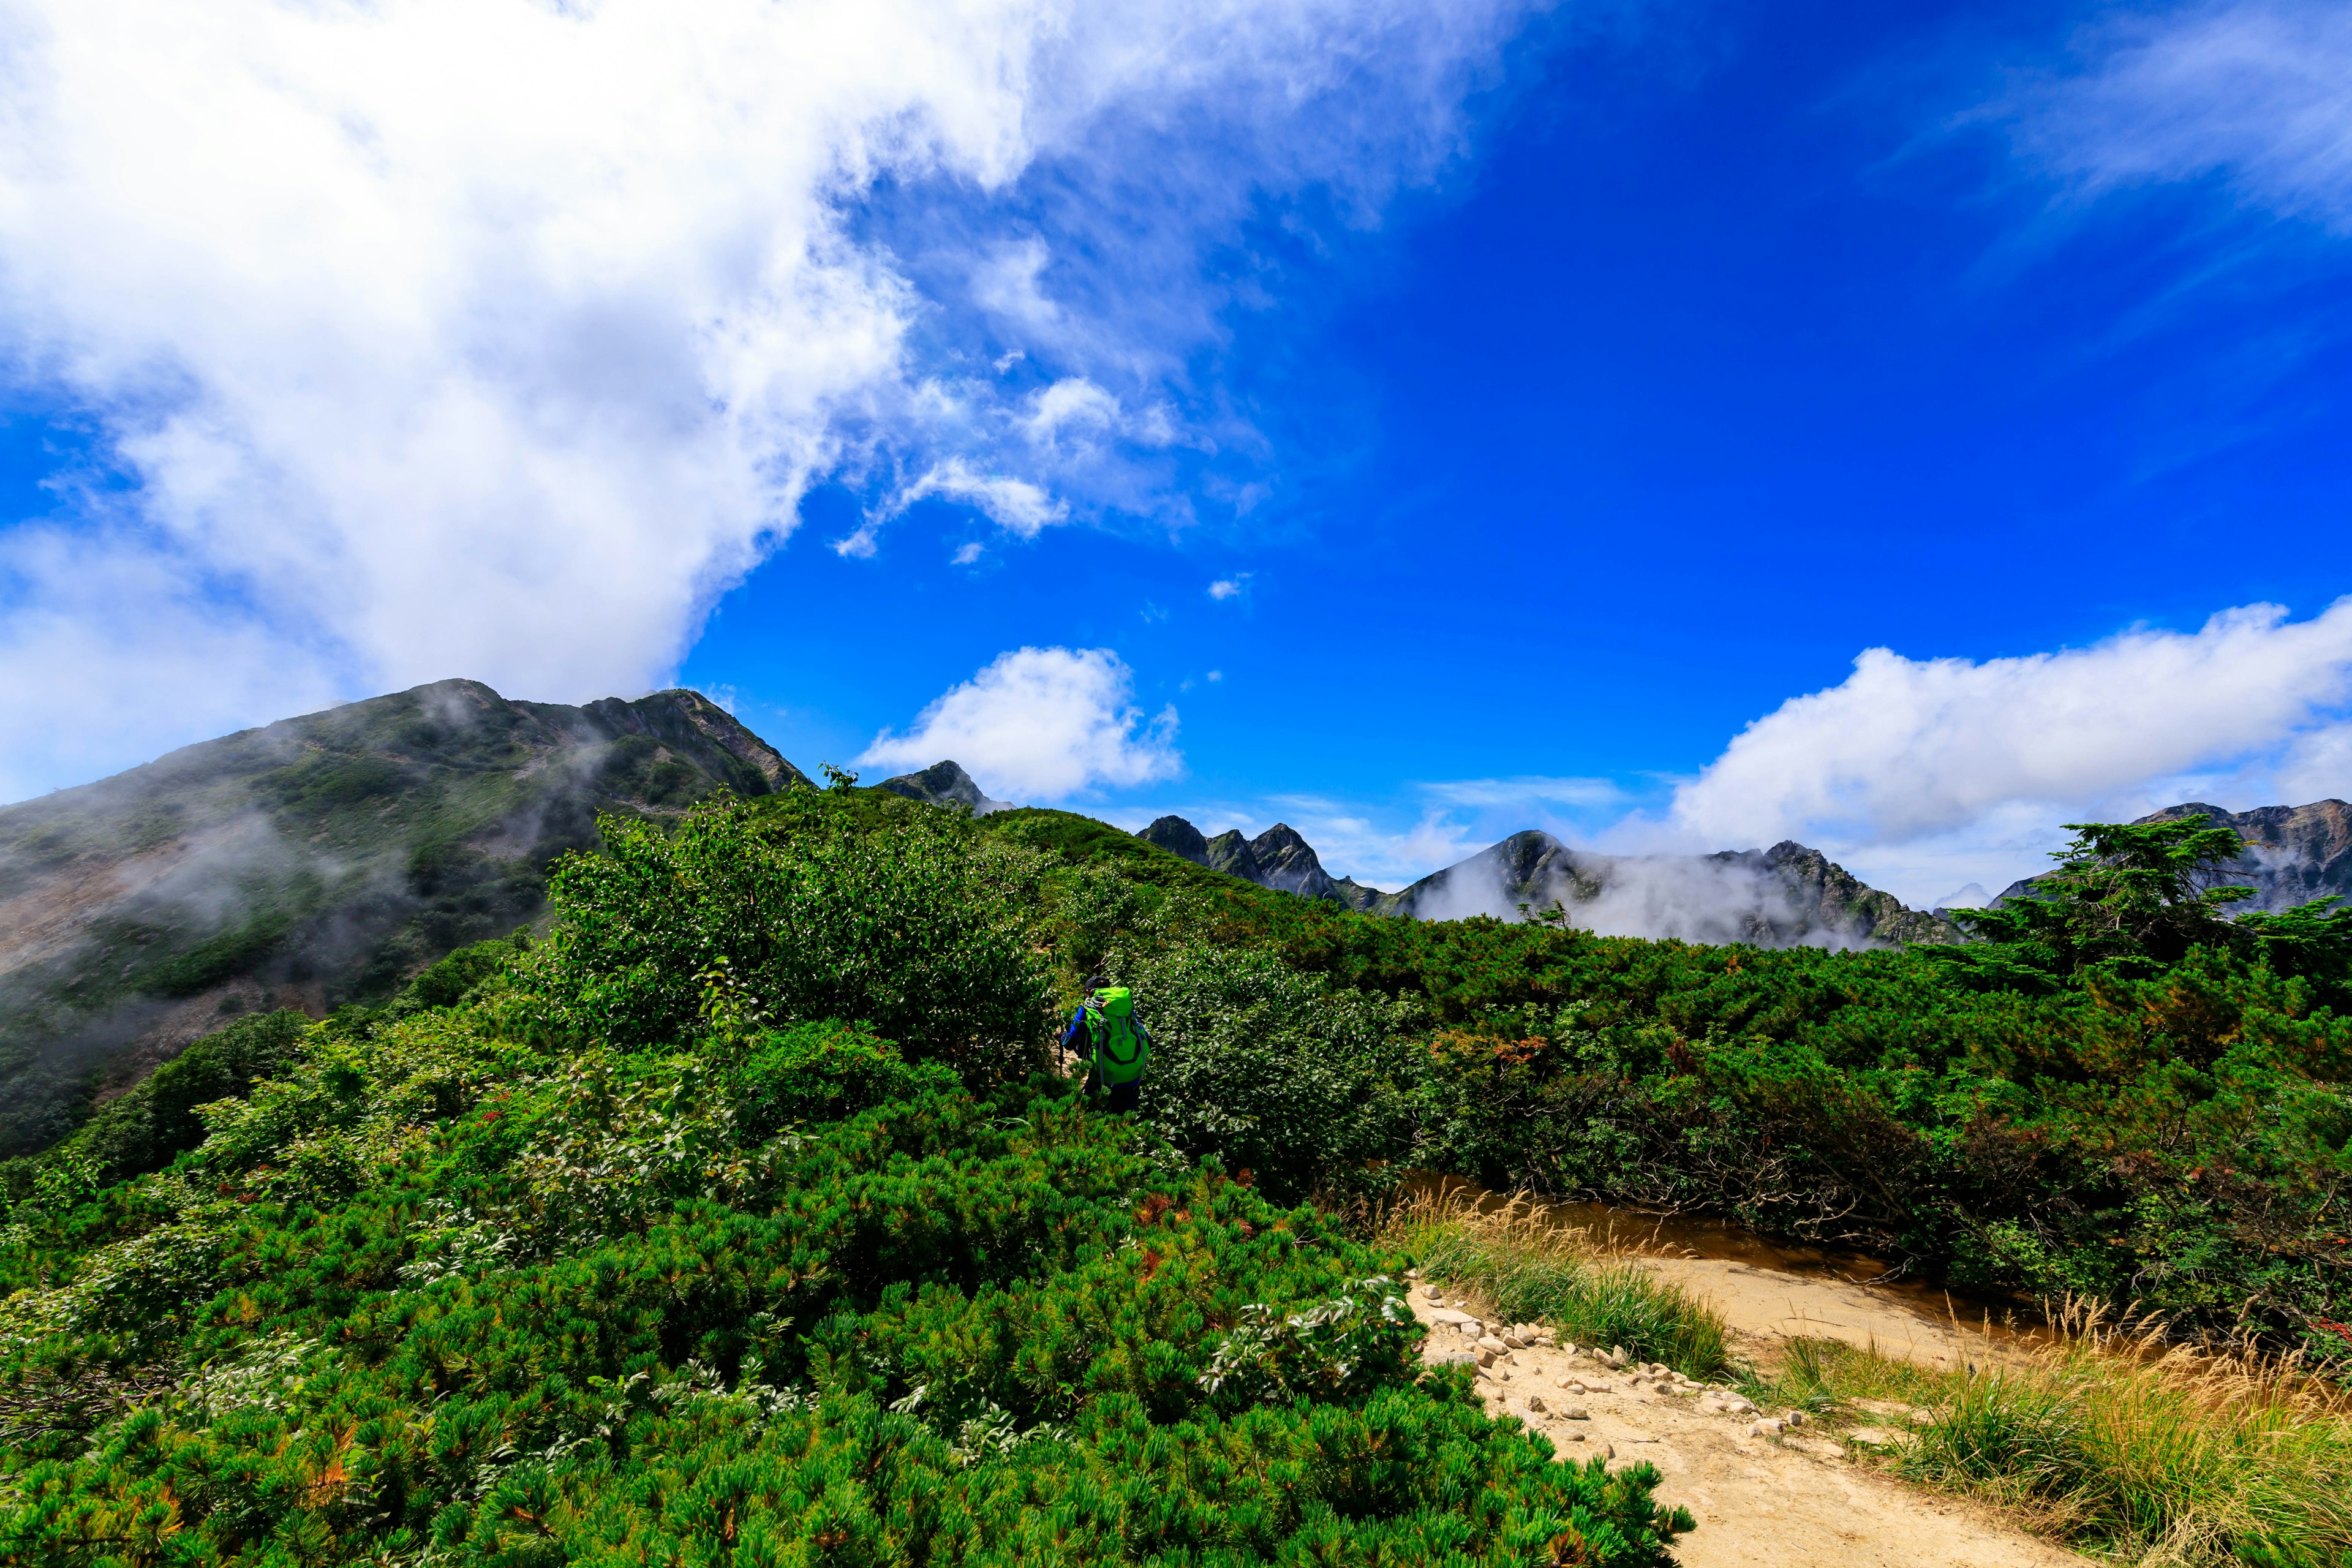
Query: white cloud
x,y
2257,92
1043,724
1231,587
498,338
1938,771
1526,791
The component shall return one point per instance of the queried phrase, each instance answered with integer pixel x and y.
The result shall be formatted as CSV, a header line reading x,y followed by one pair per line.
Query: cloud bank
x,y
1041,723
1925,766
496,337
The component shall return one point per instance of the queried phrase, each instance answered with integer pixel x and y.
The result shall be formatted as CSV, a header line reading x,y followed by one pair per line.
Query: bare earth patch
x,y
1761,1499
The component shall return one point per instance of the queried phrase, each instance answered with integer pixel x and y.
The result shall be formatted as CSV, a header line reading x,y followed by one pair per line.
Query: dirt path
x,y
1767,1304
1762,1500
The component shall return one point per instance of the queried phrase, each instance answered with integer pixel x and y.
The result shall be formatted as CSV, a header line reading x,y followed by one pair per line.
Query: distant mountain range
x,y
328,859
1787,896
2294,853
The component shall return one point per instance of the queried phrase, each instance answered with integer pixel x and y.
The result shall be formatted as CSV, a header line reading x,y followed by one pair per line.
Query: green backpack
x,y
1116,1034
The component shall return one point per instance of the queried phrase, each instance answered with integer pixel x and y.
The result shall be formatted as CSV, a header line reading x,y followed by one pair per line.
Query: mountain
x,y
1787,896
2294,853
1279,857
311,862
945,783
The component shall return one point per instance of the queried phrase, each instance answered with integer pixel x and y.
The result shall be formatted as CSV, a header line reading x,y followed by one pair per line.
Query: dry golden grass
x,y
1531,1269
2107,1436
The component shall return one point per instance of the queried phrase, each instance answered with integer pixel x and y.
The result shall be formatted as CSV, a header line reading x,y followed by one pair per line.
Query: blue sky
x,y
1415,423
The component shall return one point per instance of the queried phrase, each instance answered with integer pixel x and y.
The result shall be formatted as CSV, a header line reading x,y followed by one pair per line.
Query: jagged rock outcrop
x,y
1786,895
2294,853
1179,838
945,783
313,861
1279,857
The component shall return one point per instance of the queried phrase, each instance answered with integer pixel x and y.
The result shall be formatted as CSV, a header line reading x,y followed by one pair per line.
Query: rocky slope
x,y
1786,895
310,862
2294,853
1279,857
945,783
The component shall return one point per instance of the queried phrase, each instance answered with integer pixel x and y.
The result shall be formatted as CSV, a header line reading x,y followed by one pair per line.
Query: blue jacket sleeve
x,y
1074,1038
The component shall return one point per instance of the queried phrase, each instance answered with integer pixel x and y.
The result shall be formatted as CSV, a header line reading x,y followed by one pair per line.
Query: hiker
x,y
1106,1031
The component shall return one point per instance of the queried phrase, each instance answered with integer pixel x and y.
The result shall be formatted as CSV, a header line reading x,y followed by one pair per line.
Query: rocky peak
x,y
1179,838
1287,861
1279,857
945,783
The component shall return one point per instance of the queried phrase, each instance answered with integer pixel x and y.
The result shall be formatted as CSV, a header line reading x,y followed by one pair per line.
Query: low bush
x,y
632,1257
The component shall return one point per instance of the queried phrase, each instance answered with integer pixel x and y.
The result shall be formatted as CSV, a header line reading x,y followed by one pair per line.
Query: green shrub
x,y
459,1285
918,932
1304,1084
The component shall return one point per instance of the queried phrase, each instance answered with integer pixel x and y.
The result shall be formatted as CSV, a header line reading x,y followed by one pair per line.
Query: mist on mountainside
x,y
1787,896
309,863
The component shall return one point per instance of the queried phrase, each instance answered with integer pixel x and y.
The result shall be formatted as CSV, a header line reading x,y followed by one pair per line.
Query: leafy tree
x,y
2137,894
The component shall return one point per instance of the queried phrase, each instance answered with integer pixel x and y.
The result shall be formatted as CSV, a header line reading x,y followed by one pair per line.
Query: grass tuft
x,y
1532,1269
2113,1441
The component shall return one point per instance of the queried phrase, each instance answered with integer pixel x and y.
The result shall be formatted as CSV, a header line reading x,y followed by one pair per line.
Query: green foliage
x,y
2175,1133
917,931
1304,1084
523,1279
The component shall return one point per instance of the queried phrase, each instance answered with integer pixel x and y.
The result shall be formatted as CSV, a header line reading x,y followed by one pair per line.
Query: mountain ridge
x,y
318,859
1787,895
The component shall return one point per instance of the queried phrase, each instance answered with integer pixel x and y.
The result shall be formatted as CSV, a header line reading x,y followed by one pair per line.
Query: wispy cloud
x,y
2256,93
1231,587
1526,791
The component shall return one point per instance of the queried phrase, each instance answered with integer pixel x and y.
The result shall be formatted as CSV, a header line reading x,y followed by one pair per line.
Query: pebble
x,y
1450,1315
1768,1427
1513,1342
1536,1404
1575,1413
1433,1294
1489,1343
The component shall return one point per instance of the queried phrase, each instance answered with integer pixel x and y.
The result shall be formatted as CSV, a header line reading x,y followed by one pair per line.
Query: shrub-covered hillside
x,y
2119,1093
737,1223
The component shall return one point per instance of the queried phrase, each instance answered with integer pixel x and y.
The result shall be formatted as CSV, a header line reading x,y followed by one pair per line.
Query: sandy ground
x,y
1793,1498
1767,1304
